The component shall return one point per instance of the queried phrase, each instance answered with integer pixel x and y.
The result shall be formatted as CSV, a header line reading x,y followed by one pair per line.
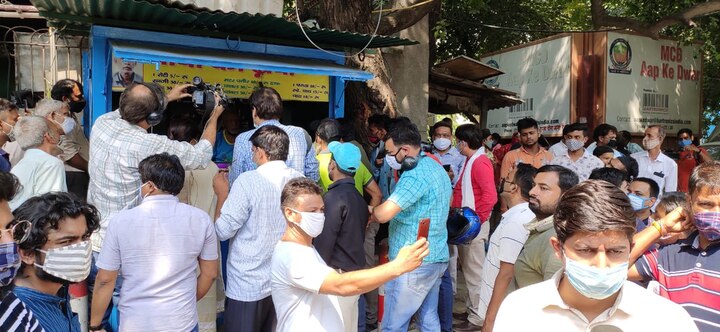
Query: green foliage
x,y
461,30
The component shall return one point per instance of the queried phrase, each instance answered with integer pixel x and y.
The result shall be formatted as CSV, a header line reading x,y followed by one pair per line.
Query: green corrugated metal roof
x,y
172,16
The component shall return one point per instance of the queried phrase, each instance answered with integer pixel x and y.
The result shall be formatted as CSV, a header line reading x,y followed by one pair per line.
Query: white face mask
x,y
392,162
71,263
442,144
141,197
650,144
311,223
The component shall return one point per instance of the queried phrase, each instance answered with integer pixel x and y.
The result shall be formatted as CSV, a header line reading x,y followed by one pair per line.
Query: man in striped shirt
x,y
688,271
55,254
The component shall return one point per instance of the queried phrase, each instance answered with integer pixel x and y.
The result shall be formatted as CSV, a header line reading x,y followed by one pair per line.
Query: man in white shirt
x,y
8,117
304,288
577,158
594,223
654,164
158,245
506,243
39,171
120,140
250,216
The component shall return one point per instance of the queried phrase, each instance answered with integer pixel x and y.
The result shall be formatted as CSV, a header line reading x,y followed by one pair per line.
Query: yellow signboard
x,y
237,83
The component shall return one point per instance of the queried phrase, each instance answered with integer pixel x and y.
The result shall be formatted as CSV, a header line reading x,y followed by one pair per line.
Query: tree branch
x,y
402,19
601,19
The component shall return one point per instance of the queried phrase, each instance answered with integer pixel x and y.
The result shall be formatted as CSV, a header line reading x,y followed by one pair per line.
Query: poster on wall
x,y
540,74
236,83
652,82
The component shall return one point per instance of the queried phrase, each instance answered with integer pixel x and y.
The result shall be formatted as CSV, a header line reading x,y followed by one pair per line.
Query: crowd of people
x,y
282,229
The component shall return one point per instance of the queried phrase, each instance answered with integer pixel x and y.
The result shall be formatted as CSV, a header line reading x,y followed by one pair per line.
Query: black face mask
x,y
77,106
612,143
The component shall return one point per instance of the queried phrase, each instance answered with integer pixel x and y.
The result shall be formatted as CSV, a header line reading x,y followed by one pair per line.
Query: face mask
x,y
573,144
684,143
392,162
708,224
637,202
68,125
9,262
489,144
9,125
140,195
594,282
650,144
442,144
311,222
71,263
77,106
612,143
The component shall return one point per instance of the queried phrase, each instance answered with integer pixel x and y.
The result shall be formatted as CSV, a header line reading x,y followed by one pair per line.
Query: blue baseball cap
x,y
346,155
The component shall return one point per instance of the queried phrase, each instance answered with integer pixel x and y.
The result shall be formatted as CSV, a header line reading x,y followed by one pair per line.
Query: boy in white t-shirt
x,y
304,288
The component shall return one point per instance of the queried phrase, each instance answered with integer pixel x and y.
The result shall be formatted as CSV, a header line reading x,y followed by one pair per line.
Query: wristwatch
x,y
96,328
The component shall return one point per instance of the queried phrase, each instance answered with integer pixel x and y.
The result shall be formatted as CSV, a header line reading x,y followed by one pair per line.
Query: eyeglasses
x,y
20,231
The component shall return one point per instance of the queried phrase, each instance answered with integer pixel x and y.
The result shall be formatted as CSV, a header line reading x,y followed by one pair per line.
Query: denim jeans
x,y
445,302
414,292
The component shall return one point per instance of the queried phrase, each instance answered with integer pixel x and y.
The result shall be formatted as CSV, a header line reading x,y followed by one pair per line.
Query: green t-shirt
x,y
362,176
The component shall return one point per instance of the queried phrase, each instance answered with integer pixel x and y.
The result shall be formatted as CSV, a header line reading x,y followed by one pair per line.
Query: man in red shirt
x,y
475,189
690,156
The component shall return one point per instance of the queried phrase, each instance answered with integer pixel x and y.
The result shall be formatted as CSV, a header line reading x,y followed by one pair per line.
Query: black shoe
x,y
466,326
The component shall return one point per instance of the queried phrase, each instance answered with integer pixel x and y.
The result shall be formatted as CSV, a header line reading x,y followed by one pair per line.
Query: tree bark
x,y
601,19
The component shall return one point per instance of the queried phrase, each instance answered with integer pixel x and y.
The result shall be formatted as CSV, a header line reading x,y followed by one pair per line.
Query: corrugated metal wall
x,y
240,6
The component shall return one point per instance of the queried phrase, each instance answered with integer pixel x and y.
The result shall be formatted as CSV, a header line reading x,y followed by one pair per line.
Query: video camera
x,y
203,95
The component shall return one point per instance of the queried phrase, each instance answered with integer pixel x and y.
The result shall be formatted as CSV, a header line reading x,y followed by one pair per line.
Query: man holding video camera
x,y
119,140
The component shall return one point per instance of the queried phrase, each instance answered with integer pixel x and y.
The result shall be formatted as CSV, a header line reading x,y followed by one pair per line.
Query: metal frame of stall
x,y
106,41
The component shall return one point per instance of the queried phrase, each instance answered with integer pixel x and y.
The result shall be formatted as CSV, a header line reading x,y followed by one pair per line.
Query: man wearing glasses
x,y
15,316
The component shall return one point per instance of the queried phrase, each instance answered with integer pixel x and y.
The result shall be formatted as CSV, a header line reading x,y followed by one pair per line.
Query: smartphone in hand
x,y
424,228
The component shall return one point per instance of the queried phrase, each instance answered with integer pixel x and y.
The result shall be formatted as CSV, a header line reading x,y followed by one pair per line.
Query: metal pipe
x,y
20,15
19,8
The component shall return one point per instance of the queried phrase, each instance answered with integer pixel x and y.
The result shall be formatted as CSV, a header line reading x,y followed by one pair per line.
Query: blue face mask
x,y
9,262
593,282
684,143
638,203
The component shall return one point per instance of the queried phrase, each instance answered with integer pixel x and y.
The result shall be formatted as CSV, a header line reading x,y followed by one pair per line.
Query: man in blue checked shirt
x,y
267,110
423,191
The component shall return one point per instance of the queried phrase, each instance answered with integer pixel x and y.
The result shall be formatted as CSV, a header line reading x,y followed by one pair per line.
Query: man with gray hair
x,y
57,113
39,171
654,164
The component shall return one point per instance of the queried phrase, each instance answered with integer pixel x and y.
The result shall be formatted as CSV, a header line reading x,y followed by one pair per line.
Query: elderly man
x,y
56,253
119,141
39,171
8,118
654,164
267,109
75,146
166,239
252,219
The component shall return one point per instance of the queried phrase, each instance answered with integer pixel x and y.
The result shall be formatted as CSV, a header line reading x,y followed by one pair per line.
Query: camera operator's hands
x,y
178,92
410,257
219,109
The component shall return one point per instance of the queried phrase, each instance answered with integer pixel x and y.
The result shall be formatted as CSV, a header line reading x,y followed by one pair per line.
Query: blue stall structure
x,y
154,32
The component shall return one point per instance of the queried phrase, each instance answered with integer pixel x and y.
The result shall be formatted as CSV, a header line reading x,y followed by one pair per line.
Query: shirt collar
x,y
623,302
452,151
540,225
348,181
268,122
272,165
515,209
36,296
540,151
116,115
163,197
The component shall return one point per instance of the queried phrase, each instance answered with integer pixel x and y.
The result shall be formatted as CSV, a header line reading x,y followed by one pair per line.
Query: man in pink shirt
x,y
475,189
